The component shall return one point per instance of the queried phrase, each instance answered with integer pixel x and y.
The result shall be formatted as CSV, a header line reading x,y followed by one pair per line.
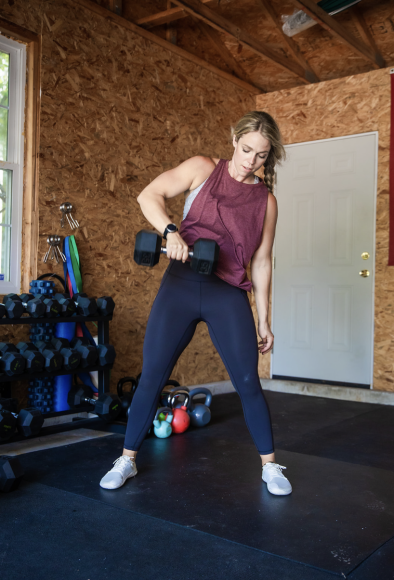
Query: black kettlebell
x,y
126,397
165,397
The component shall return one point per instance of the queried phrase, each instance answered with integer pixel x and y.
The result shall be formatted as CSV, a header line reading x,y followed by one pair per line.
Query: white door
x,y
322,306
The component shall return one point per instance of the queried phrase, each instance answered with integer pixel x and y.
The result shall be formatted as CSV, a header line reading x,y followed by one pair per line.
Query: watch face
x,y
171,228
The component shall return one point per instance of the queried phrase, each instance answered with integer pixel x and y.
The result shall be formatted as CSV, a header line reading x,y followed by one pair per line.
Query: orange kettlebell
x,y
181,419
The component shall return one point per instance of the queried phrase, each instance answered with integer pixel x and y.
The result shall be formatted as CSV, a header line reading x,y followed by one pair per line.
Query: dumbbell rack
x,y
103,338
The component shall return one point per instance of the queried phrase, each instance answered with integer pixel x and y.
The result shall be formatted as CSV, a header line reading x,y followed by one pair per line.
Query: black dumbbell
x,y
71,357
89,353
52,307
53,358
7,425
3,311
204,256
13,307
105,305
11,361
107,406
106,354
126,396
11,473
67,304
31,304
28,421
85,306
34,359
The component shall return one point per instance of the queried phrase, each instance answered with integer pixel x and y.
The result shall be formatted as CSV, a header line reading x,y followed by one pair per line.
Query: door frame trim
x,y
287,146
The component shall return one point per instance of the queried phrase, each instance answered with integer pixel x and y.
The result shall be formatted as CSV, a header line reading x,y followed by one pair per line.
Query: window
x,y
12,105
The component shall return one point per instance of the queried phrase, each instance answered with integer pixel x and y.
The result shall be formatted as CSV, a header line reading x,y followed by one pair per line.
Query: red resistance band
x,y
391,182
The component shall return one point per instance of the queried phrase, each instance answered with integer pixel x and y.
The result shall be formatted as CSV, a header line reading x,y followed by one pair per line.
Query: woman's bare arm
x,y
188,175
261,271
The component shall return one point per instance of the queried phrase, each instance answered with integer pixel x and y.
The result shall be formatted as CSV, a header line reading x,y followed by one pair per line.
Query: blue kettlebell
x,y
163,429
200,414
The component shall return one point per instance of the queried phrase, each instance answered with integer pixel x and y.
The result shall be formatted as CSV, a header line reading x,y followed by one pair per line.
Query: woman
x,y
228,204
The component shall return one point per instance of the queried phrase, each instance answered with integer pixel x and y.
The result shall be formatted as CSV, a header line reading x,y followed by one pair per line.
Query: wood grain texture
x,y
116,110
356,104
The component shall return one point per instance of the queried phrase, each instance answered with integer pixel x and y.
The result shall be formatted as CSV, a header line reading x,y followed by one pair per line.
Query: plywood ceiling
x,y
317,54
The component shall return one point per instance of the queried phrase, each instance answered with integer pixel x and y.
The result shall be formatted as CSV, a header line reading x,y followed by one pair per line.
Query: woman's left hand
x,y
267,338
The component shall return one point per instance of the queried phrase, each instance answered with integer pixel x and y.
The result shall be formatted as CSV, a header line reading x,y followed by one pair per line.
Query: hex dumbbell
x,y
89,353
11,361
53,358
11,473
28,421
71,357
35,360
85,306
204,256
107,406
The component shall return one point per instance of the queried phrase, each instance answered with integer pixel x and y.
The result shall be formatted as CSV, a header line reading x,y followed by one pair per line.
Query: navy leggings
x,y
186,298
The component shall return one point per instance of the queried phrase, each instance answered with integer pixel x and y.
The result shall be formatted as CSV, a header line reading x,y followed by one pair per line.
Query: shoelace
x,y
120,463
277,468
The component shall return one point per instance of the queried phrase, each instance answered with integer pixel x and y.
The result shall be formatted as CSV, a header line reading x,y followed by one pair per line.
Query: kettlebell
x,y
126,397
200,414
163,429
165,397
181,420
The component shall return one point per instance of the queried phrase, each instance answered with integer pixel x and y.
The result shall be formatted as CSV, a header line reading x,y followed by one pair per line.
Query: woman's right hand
x,y
177,248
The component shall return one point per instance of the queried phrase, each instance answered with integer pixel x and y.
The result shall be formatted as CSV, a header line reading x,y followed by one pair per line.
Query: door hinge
x,y
273,261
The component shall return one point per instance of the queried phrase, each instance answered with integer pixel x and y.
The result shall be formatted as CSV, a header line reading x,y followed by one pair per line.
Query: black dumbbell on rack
x,y
34,359
88,352
85,306
107,406
71,357
105,353
17,305
28,421
53,358
204,256
11,361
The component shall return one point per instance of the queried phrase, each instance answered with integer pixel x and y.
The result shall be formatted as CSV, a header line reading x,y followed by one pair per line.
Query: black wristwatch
x,y
170,229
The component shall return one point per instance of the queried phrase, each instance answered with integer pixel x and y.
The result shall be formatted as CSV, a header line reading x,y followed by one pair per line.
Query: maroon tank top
x,y
232,214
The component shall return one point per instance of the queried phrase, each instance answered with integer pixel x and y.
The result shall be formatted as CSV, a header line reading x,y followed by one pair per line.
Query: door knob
x,y
364,273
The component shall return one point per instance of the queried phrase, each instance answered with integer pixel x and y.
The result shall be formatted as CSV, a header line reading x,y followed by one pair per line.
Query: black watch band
x,y
170,229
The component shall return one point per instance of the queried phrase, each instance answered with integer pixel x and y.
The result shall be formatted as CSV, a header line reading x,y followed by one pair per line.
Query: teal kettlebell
x,y
200,414
163,429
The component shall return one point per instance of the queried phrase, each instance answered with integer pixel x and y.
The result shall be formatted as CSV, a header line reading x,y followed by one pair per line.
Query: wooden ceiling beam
x,y
291,44
335,28
120,21
224,52
197,9
364,31
164,17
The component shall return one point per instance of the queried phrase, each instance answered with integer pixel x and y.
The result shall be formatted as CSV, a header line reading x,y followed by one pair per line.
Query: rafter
x,y
164,17
224,52
330,24
364,30
292,46
197,9
120,21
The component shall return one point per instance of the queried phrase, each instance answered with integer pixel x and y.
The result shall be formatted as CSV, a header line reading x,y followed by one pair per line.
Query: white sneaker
x,y
277,483
124,467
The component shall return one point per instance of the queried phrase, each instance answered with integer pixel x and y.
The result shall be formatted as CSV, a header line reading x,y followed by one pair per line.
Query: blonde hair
x,y
264,124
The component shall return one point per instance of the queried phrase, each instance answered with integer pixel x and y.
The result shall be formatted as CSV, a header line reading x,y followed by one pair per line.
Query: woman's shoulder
x,y
201,168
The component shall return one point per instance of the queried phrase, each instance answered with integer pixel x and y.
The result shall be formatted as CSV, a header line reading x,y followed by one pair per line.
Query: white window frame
x,y
15,161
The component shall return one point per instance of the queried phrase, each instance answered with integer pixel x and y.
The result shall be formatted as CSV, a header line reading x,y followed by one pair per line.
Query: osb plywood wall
x,y
355,104
116,111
